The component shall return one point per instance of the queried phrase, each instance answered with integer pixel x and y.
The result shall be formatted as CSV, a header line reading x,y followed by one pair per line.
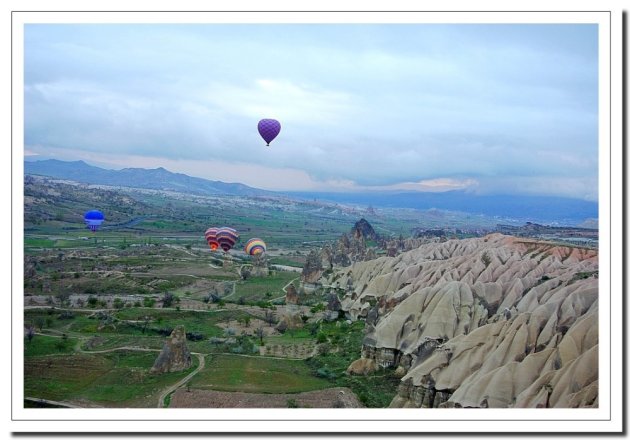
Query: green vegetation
x,y
256,288
256,374
585,275
120,378
42,345
344,346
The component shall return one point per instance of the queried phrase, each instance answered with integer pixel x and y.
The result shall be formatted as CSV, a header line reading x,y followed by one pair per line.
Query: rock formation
x,y
363,230
291,296
491,322
175,355
260,266
290,320
313,269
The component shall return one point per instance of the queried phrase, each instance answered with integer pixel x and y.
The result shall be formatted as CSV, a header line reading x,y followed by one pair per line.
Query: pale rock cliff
x,y
497,321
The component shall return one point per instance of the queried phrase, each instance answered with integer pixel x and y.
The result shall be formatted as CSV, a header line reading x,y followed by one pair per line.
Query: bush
x,y
166,331
168,299
291,403
193,336
67,314
118,303
325,373
148,302
92,301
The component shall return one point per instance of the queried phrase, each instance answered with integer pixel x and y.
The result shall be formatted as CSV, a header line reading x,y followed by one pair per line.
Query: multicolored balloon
x,y
93,219
211,238
255,246
268,129
226,237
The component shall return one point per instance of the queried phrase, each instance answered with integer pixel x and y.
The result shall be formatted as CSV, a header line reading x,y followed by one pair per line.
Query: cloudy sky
x,y
508,109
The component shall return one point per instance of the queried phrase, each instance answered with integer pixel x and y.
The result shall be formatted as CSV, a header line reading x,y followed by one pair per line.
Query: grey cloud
x,y
374,104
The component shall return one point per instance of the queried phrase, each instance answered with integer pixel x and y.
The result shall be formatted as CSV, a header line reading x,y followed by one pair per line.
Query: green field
x,y
42,345
116,379
226,372
262,288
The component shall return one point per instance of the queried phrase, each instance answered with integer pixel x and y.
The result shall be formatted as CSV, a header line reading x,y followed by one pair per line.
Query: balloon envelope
x,y
268,129
211,238
93,219
255,246
226,237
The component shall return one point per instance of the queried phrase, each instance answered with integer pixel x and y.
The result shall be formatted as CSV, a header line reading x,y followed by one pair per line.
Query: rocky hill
x,y
496,321
363,230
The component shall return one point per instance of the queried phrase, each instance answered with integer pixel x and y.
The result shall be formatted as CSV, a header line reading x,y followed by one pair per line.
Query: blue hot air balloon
x,y
93,219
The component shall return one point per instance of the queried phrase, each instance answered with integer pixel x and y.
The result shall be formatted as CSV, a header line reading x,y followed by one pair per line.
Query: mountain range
x,y
540,209
158,178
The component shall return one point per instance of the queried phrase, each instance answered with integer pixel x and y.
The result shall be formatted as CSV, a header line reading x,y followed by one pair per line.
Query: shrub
x,y
92,301
166,331
168,299
318,308
148,302
291,403
193,336
67,314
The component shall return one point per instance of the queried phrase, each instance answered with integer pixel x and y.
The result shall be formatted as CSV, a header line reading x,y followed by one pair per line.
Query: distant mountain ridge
x,y
158,178
505,208
539,209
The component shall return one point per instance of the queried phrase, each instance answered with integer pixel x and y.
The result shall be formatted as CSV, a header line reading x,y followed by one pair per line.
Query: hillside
x,y
158,178
484,322
464,208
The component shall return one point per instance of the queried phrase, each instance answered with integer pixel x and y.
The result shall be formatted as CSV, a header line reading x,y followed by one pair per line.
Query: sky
x,y
490,109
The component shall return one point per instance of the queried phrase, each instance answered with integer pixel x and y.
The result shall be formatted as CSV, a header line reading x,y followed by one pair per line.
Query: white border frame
x,y
606,418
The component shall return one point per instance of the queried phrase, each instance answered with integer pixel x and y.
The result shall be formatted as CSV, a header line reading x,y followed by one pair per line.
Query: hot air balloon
x,y
268,129
226,237
211,238
93,219
255,246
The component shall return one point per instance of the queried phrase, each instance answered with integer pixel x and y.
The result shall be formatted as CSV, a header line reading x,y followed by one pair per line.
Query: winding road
x,y
169,390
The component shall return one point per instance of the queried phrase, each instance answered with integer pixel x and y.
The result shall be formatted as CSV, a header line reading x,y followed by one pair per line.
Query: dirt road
x,y
169,390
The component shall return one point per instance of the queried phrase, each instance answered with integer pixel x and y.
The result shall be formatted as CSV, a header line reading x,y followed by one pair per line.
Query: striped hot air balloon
x,y
211,238
227,237
255,246
93,219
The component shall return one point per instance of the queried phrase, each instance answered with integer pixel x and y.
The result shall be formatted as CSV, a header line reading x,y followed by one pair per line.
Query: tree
x,y
260,333
146,321
92,301
168,299
40,322
270,317
30,333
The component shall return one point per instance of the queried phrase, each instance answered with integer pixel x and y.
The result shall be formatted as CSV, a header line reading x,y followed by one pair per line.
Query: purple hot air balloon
x,y
268,129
